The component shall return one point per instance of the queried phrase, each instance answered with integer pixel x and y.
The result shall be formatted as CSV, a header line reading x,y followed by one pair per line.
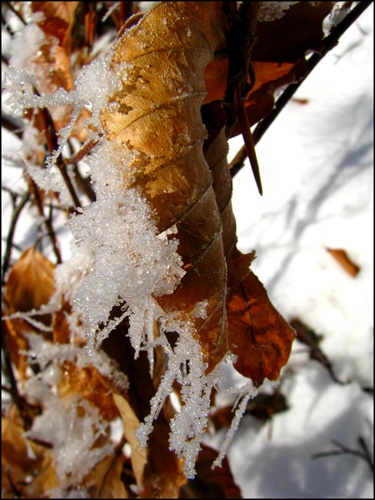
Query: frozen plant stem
x,y
344,450
53,146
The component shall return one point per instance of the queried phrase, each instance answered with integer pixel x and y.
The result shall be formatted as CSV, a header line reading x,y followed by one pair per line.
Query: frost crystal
x,y
44,352
270,11
132,262
338,13
72,437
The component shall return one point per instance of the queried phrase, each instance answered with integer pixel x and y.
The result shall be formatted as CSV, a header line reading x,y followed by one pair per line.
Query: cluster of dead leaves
x,y
183,191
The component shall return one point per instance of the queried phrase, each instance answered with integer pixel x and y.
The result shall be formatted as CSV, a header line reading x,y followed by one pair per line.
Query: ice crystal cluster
x,y
269,11
120,261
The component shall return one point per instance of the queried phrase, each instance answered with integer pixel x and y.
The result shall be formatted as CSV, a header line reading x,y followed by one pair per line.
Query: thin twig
x,y
329,42
10,7
345,450
7,369
47,222
12,124
53,146
9,242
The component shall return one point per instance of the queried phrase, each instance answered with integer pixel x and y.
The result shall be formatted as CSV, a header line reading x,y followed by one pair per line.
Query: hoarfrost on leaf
x,y
270,11
72,437
45,352
120,260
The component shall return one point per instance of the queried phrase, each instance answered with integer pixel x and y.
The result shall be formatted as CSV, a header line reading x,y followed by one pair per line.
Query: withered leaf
x,y
58,20
131,424
105,481
163,474
53,60
30,283
257,333
278,55
211,483
345,262
23,460
15,342
89,384
175,181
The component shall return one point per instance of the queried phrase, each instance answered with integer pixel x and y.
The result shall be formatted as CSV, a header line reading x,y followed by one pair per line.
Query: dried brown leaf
x,y
105,481
52,62
345,262
58,21
16,343
131,424
30,283
113,485
211,483
257,333
90,385
163,474
175,182
22,459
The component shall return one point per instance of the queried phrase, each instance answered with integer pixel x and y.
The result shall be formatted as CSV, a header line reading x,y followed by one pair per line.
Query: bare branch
x,y
329,42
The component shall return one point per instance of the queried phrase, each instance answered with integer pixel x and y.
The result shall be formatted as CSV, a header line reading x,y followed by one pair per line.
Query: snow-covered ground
x,y
316,164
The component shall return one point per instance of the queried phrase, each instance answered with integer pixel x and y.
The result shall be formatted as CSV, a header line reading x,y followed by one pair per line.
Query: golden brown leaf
x,y
58,22
52,62
22,459
105,481
176,181
30,283
176,40
131,424
16,344
89,384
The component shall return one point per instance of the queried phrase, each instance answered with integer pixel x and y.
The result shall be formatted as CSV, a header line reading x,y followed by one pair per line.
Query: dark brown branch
x,y
10,7
344,450
47,222
53,146
12,124
9,242
311,339
329,42
7,368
